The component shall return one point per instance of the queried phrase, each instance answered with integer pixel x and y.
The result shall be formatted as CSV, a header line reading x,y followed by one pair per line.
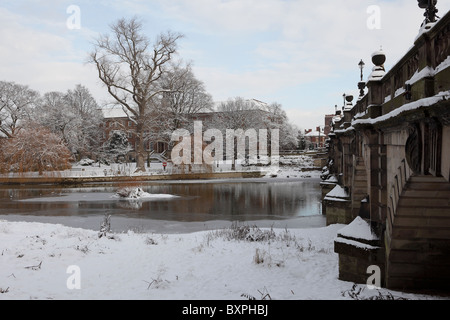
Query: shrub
x,y
35,149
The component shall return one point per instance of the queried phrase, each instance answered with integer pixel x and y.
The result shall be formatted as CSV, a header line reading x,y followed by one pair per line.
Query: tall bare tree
x,y
16,102
87,139
278,119
130,67
185,94
54,113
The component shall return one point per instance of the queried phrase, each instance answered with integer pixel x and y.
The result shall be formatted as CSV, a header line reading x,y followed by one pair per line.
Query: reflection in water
x,y
229,201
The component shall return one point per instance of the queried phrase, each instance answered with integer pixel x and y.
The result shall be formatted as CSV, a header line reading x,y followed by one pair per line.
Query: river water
x,y
198,205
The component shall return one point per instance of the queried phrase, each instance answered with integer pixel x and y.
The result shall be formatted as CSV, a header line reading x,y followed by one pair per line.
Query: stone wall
x,y
446,153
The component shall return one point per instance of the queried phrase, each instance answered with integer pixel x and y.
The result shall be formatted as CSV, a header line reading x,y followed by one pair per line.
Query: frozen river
x,y
198,205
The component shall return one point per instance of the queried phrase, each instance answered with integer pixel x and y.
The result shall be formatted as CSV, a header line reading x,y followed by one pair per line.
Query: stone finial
x,y
348,104
378,59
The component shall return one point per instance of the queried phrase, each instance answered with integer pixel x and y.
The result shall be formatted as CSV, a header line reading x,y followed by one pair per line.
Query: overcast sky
x,y
301,54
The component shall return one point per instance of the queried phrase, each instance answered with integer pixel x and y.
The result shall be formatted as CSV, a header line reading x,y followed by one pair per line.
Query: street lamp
x,y
361,66
361,84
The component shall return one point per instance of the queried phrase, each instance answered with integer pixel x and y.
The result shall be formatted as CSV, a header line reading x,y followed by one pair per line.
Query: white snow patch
x,y
444,65
424,73
358,229
138,193
338,192
399,92
429,72
356,244
424,28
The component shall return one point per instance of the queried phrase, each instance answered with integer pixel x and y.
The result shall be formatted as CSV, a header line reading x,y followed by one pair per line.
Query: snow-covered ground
x,y
48,261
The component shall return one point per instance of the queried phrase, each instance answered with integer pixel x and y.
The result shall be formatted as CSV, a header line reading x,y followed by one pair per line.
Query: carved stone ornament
x,y
413,149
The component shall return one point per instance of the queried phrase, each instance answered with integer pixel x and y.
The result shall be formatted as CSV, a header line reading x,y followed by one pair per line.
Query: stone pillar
x,y
382,178
377,180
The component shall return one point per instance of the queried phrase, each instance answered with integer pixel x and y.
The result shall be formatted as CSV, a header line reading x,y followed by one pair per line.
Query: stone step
x,y
422,211
428,186
422,221
427,183
419,270
360,184
427,179
423,256
421,245
413,233
426,193
424,202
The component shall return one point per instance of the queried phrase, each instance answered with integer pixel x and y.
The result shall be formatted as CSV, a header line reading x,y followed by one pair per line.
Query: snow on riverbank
x,y
47,261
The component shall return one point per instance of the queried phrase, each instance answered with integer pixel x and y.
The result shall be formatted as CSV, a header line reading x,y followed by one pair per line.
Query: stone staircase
x,y
418,246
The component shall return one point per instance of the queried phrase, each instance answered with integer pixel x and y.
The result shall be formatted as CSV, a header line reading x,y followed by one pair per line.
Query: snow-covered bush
x,y
131,192
105,227
86,162
36,148
243,233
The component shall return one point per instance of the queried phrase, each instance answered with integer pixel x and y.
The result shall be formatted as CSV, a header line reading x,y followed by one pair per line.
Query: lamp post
x,y
361,84
361,66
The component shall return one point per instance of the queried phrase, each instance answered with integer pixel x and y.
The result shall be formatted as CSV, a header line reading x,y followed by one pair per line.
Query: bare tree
x,y
16,102
74,116
130,67
54,113
243,114
277,119
185,95
87,134
238,113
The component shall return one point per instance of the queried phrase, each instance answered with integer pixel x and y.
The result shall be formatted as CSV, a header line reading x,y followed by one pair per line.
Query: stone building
x,y
389,161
